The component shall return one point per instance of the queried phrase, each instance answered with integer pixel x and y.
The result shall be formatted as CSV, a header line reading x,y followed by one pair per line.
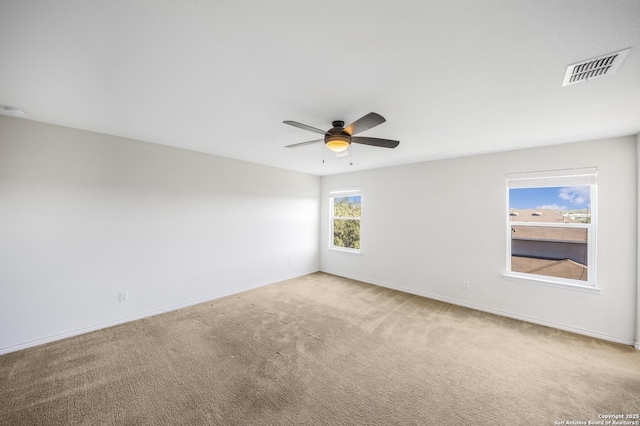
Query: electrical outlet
x,y
465,285
124,297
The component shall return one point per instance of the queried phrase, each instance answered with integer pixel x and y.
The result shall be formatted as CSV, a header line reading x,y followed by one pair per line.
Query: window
x,y
346,207
551,226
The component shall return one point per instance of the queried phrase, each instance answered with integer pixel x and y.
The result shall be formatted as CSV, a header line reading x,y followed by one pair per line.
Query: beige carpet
x,y
320,350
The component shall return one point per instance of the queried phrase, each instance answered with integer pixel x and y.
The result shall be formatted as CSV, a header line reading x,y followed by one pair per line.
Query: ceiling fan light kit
x,y
339,138
337,143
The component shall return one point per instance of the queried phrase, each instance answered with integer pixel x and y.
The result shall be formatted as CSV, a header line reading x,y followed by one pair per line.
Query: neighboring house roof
x,y
538,215
556,268
549,233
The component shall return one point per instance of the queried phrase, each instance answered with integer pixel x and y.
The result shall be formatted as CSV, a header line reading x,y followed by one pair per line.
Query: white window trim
x,y
552,282
344,192
553,178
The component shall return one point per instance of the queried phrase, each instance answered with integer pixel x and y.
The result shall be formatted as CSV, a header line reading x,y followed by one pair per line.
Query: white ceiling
x,y
452,78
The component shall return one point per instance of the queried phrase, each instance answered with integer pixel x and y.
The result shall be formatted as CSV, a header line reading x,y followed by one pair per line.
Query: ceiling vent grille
x,y
592,68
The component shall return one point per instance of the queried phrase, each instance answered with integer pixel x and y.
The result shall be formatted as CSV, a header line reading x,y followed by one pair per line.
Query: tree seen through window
x,y
346,222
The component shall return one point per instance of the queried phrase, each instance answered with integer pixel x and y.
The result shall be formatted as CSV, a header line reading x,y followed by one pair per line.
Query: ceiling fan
x,y
339,138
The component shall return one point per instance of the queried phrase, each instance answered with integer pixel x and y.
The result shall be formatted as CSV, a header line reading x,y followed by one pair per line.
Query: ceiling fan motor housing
x,y
336,139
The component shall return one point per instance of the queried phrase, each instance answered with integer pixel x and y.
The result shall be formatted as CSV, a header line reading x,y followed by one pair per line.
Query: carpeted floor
x,y
320,350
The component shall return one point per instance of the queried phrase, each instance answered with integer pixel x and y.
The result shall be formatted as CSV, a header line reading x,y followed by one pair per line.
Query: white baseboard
x,y
96,327
507,314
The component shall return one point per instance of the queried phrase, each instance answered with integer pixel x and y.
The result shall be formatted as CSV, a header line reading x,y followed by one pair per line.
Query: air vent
x,y
592,68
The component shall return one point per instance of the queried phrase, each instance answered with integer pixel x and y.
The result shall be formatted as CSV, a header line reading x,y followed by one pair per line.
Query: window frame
x,y
341,193
551,179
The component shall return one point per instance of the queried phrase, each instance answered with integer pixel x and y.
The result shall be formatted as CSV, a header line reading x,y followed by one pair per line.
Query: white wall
x,y
637,338
85,216
427,227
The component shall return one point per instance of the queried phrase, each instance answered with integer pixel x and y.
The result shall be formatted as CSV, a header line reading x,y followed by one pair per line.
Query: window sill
x,y
551,283
345,250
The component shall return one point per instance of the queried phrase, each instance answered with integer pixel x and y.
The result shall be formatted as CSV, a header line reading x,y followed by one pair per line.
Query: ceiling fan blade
x,y
304,126
383,143
364,123
295,145
342,153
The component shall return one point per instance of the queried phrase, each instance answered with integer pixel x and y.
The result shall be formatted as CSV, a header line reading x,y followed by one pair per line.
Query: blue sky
x,y
554,198
352,199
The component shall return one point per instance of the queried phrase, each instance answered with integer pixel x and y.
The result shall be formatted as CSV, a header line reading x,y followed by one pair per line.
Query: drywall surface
x,y
85,217
428,227
637,337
